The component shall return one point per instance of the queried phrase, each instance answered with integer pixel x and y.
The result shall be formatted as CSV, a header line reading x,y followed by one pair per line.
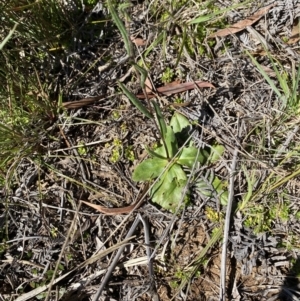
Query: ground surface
x,y
91,149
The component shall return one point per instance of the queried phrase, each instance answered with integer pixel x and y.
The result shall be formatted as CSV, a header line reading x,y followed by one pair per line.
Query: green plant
x,y
288,92
169,162
54,232
258,218
175,152
82,150
3,248
174,284
129,153
213,215
201,259
167,75
261,217
27,107
116,151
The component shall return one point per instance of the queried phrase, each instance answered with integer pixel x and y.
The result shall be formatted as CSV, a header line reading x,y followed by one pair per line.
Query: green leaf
x,y
121,27
203,188
160,152
169,196
191,154
251,179
149,169
295,85
179,122
135,101
181,127
176,172
221,189
171,142
154,44
167,192
216,153
203,156
167,133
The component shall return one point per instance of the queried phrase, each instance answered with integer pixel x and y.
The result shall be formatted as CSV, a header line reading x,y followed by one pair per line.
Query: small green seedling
x,y
82,149
167,75
116,151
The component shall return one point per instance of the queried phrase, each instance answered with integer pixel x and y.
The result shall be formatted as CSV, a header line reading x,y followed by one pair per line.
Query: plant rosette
x,y
167,162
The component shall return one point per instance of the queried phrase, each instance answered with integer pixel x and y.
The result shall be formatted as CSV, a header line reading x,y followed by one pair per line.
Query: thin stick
x,y
226,227
152,290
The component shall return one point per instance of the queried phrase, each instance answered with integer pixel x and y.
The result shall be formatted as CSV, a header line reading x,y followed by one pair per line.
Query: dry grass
x,y
68,133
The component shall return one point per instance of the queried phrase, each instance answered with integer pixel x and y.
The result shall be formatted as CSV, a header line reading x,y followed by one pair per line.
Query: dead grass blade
x,y
205,18
241,25
81,103
112,211
27,6
176,87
